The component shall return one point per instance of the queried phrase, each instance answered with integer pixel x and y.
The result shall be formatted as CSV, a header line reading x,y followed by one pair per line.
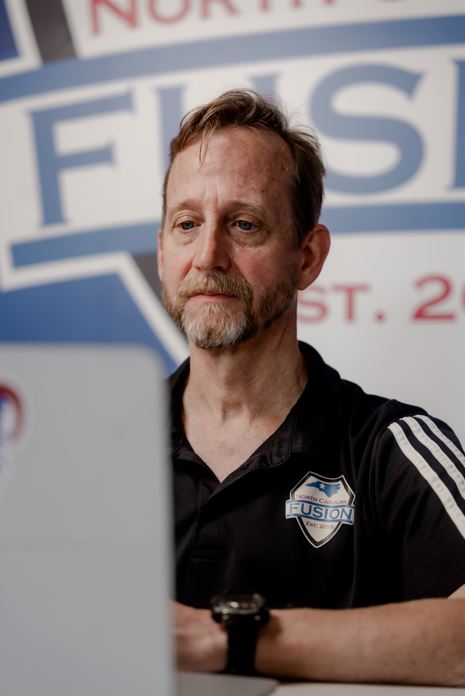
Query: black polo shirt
x,y
355,500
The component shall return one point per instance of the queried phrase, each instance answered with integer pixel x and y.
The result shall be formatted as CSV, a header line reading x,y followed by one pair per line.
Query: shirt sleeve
x,y
420,493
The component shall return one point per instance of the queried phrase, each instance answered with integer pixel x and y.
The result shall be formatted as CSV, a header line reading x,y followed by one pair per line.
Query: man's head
x,y
247,109
236,244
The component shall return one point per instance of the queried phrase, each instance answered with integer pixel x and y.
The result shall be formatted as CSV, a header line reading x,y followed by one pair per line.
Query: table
x,y
318,689
197,684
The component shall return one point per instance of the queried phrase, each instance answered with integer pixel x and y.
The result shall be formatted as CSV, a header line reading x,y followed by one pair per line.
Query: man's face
x,y
227,256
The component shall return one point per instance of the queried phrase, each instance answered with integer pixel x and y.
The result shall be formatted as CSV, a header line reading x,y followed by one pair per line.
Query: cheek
x,y
271,273
175,265
251,263
262,270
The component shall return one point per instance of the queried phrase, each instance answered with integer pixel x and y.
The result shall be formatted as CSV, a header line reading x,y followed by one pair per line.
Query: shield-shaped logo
x,y
321,506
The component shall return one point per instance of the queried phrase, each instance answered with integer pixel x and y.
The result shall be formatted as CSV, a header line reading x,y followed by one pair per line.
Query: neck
x,y
244,378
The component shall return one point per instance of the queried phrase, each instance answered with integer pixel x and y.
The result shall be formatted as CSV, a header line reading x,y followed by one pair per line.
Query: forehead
x,y
255,161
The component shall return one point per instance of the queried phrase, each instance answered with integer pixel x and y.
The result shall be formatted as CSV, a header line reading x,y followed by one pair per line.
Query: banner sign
x,y
92,91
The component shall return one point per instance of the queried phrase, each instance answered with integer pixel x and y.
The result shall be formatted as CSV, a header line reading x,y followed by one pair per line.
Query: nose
x,y
211,251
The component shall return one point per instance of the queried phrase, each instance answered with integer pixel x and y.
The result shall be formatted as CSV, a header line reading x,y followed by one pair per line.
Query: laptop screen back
x,y
84,509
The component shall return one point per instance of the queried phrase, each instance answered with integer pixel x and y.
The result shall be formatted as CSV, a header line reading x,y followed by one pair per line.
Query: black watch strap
x,y
242,645
242,617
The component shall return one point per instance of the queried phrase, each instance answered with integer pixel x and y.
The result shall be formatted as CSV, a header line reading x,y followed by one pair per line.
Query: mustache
x,y
215,283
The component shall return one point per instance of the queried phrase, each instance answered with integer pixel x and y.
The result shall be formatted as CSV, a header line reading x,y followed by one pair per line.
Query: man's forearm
x,y
420,642
201,644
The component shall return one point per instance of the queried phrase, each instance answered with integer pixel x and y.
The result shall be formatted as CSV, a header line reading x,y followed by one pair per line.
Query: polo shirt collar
x,y
312,425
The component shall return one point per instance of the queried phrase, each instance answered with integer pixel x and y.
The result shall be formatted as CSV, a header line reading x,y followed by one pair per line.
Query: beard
x,y
216,325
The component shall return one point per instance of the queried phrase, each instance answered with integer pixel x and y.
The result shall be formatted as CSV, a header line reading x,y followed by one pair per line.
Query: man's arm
x,y
416,642
201,644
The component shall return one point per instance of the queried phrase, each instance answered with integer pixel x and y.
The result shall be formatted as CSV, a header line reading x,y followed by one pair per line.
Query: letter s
x,y
372,128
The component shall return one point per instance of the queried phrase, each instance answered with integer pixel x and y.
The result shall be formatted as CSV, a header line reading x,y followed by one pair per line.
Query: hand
x,y
201,644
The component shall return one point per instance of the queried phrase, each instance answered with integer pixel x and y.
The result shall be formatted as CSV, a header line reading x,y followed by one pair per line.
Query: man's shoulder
x,y
387,424
326,377
375,409
358,411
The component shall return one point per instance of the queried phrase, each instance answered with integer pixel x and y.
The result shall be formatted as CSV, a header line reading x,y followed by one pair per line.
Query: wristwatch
x,y
242,616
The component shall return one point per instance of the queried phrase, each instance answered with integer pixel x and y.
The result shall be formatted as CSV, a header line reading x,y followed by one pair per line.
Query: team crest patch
x,y
321,506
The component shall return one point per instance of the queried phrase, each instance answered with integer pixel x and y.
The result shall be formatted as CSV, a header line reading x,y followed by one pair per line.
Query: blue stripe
x,y
141,238
8,48
235,50
136,238
395,217
82,310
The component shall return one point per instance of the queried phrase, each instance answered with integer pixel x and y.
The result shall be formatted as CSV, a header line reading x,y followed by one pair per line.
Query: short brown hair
x,y
245,108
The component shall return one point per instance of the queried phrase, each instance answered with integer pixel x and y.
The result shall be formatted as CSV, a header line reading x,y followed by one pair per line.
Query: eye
x,y
244,225
186,225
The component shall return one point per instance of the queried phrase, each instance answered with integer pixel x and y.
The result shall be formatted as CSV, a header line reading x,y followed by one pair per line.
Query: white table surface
x,y
201,684
318,689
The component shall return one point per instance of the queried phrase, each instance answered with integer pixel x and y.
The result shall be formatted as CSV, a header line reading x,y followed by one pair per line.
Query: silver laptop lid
x,y
84,506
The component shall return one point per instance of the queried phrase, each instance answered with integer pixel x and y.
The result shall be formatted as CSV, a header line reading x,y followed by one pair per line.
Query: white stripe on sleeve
x,y
440,435
420,463
437,452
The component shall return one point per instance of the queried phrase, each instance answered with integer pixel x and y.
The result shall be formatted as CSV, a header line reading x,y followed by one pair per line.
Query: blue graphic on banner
x,y
236,50
101,309
8,47
87,310
135,238
50,163
140,238
403,136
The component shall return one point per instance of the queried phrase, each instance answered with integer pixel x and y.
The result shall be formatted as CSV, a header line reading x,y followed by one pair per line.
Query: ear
x,y
314,249
160,257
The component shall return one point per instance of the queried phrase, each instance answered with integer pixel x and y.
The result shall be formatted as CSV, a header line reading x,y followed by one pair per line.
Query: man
x,y
345,511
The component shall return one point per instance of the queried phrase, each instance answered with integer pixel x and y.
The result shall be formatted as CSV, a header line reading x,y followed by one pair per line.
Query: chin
x,y
216,327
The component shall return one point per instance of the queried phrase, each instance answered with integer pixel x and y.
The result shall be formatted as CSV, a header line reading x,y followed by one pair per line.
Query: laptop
x,y
85,530
84,554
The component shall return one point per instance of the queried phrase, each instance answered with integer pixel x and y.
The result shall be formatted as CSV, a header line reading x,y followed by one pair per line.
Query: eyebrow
x,y
190,203
187,203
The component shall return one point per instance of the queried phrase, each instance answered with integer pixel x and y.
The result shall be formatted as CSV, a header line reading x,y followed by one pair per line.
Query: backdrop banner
x,y
92,91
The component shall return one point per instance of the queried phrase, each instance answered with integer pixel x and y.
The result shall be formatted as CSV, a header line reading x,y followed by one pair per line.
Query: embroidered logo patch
x,y
321,506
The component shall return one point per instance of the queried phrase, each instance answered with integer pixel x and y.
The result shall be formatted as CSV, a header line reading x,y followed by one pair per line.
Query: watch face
x,y
238,605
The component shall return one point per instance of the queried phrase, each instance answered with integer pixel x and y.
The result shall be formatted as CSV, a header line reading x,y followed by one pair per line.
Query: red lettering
x,y
425,311
128,15
350,291
163,19
227,4
311,310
